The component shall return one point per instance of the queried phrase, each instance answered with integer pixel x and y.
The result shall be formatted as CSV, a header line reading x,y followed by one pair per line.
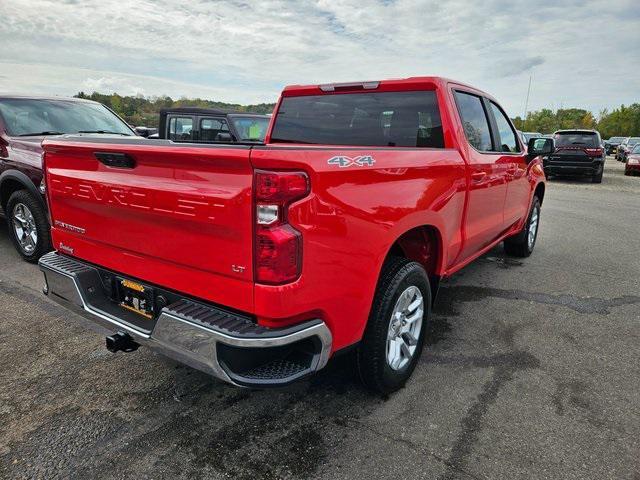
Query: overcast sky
x,y
579,53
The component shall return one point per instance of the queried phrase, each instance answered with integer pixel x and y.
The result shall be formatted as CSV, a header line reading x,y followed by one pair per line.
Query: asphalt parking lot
x,y
532,371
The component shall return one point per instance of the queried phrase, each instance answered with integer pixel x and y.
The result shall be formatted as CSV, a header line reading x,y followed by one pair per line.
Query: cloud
x,y
243,51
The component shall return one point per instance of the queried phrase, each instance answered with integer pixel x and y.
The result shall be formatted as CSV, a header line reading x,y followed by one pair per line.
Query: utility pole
x,y
526,104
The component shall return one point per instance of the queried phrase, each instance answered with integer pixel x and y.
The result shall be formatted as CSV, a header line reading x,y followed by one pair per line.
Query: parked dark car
x,y
205,125
611,145
633,161
24,123
577,153
625,148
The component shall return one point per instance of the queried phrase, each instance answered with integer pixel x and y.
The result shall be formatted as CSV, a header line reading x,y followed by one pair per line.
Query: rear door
x,y
181,128
484,220
172,214
213,129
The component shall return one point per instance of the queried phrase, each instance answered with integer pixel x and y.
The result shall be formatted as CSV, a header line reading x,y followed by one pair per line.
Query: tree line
x,y
620,122
144,111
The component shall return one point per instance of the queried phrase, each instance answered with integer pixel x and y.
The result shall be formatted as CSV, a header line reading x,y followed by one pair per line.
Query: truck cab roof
x,y
207,111
394,84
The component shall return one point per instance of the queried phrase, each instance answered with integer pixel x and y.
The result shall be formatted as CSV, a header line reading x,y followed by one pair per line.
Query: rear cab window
x,y
385,119
576,139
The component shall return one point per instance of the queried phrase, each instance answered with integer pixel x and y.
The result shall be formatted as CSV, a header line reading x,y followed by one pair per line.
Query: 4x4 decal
x,y
343,162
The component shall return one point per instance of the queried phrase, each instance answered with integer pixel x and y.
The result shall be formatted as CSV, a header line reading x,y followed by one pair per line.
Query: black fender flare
x,y
20,177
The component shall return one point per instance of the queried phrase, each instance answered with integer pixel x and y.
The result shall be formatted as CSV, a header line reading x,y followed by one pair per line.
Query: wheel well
x,y
423,245
540,192
6,190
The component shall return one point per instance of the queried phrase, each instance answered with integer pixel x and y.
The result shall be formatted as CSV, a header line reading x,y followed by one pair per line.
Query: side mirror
x,y
540,146
224,137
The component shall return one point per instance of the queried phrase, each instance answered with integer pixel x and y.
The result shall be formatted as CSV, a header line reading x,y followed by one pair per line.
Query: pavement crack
x,y
416,448
506,365
467,293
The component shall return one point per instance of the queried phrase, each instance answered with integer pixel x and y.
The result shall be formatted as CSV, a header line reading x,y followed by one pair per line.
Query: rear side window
x,y
508,142
181,129
474,121
576,139
210,128
388,119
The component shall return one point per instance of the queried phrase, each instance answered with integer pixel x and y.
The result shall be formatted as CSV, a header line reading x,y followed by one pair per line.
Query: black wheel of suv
x,y
597,178
523,243
28,225
394,337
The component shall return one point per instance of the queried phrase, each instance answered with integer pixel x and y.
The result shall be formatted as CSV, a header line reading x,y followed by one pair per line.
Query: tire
x,y
519,245
399,277
597,178
22,202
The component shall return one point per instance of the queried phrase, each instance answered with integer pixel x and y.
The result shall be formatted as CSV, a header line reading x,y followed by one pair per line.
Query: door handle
x,y
512,169
115,160
478,176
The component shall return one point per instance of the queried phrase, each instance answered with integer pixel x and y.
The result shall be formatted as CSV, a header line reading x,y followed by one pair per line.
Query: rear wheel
x,y
597,178
523,243
28,225
394,337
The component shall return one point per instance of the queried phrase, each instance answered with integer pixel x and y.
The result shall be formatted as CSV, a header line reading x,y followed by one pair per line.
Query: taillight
x,y
594,152
278,246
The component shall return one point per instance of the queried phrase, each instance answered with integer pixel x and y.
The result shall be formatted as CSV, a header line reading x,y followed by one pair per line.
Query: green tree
x,y
139,110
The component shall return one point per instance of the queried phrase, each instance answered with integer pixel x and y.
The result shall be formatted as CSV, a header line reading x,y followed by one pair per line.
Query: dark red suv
x,y
24,123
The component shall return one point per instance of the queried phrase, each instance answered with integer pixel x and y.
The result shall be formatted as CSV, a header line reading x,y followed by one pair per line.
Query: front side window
x,y
474,121
386,119
251,129
181,129
214,130
508,142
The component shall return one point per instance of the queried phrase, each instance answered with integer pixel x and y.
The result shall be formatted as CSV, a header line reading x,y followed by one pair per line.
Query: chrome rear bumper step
x,y
225,344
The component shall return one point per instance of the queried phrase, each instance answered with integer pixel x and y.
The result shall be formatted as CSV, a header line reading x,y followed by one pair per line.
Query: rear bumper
x,y
224,344
573,168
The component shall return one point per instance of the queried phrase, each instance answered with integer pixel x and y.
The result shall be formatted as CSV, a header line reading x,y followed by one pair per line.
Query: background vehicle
x,y
145,132
633,161
529,135
577,153
255,263
206,125
625,147
24,122
611,145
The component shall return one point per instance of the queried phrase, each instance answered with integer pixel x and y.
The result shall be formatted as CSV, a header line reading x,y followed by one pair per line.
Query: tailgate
x,y
570,155
174,215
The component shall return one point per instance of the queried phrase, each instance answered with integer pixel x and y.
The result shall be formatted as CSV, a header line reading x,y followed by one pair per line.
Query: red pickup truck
x,y
257,263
